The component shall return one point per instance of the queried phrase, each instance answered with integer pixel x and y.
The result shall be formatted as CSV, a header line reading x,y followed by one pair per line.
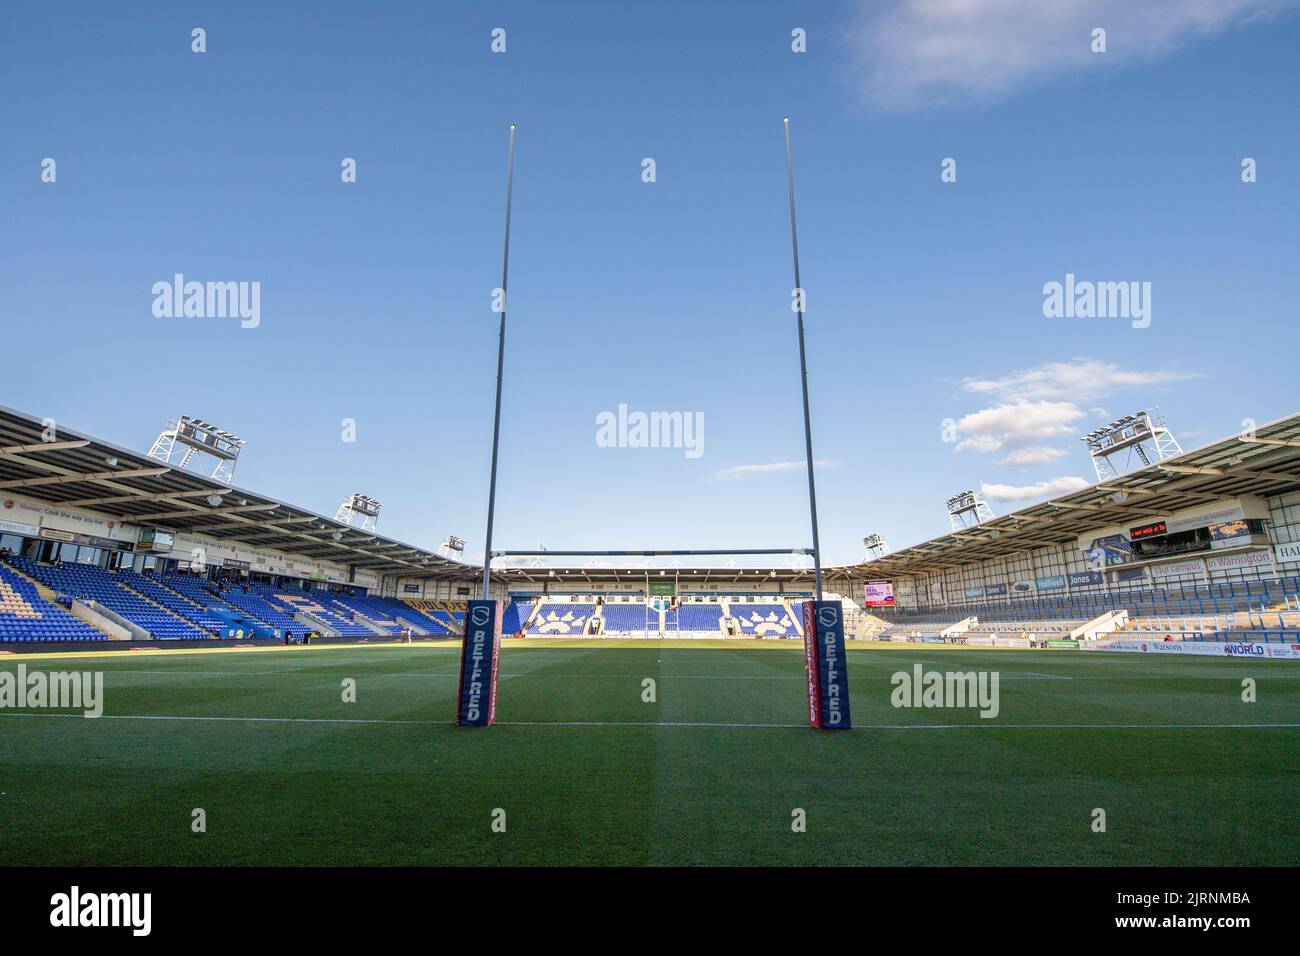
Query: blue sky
x,y
925,298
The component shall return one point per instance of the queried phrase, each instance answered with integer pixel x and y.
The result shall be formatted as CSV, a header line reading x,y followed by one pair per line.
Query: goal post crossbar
x,y
647,554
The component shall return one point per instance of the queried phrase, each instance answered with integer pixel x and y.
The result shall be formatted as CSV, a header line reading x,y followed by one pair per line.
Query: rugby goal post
x,y
824,620
825,664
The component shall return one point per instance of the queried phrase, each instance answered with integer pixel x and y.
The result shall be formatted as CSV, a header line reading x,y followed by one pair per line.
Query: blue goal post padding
x,y
480,654
825,665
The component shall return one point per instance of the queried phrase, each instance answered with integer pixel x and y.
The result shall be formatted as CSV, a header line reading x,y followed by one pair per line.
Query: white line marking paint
x,y
652,725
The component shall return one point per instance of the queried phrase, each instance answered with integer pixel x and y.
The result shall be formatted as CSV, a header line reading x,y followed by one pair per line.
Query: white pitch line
x,y
634,723
166,673
981,726
250,720
664,724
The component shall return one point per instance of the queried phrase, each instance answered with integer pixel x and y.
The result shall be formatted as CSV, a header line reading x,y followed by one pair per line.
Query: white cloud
x,y
1078,380
1043,489
1016,424
1037,455
770,468
917,53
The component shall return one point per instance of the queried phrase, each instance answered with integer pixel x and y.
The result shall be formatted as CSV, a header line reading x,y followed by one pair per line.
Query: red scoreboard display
x,y
1152,530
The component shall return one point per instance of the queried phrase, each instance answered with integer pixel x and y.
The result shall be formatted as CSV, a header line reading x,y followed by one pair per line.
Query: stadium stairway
x,y
46,593
386,628
511,622
328,622
203,624
438,626
109,591
389,617
871,628
195,589
28,613
796,617
527,622
256,605
194,602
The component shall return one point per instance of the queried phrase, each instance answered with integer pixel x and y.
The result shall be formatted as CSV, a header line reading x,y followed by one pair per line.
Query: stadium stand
x,y
700,618
1255,610
1048,584
26,616
194,588
176,603
515,616
86,582
561,618
763,619
390,616
317,607
256,604
456,611
439,621
629,618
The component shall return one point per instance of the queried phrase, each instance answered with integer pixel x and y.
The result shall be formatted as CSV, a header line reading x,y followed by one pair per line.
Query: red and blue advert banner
x,y
480,653
826,665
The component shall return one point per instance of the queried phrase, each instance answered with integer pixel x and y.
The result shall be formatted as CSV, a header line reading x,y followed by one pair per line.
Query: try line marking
x,y
655,725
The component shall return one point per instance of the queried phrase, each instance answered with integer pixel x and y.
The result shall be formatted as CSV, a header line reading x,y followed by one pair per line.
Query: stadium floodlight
x,y
1142,434
355,506
875,545
966,509
201,443
453,546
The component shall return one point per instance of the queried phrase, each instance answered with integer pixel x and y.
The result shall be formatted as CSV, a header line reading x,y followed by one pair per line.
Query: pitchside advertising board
x,y
1257,650
480,652
825,665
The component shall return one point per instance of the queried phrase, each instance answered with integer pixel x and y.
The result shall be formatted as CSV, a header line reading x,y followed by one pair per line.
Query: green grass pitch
x,y
710,773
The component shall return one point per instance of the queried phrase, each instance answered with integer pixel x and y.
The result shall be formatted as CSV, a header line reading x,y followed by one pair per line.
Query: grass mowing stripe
x,y
589,772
